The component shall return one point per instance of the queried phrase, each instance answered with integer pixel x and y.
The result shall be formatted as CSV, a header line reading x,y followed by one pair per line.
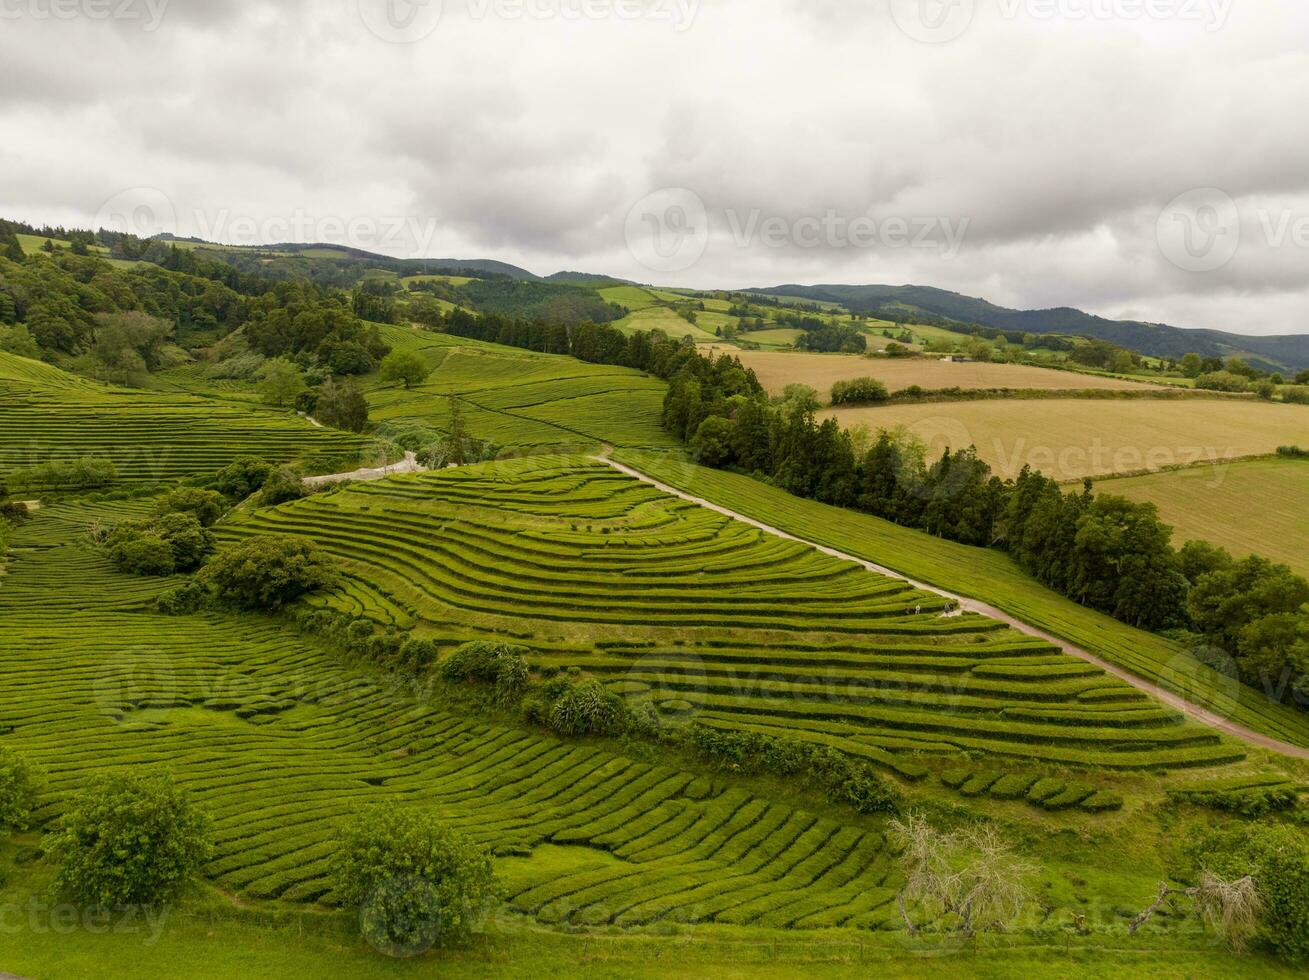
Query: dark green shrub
x,y
129,840
841,778
207,506
142,553
20,785
1278,858
242,477
415,882
588,709
499,666
266,572
136,548
282,486
181,600
418,654
859,391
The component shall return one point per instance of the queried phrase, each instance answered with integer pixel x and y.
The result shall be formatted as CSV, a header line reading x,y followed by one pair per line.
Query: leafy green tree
x,y
1225,602
19,340
128,346
241,477
342,406
129,840
280,382
1191,365
712,443
142,553
404,366
207,506
415,882
1199,558
20,787
266,572
1277,857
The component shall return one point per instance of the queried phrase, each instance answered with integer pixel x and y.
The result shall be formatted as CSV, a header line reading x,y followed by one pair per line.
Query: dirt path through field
x,y
409,465
1200,714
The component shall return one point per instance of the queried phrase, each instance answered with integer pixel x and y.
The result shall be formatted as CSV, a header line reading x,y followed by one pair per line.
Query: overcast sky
x,y
1136,158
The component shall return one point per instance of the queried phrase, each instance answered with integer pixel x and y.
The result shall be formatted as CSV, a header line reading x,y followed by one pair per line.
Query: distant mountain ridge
x,y
1286,352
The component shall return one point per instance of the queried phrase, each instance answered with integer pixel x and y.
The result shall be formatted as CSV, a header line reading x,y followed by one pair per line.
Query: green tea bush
x,y
20,785
1255,802
267,572
415,882
129,840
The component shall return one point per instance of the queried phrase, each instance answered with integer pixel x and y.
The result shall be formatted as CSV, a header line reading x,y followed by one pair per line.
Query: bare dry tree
x,y
971,872
1230,908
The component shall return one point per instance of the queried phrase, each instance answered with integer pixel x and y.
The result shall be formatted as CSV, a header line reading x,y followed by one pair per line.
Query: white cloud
x,y
526,132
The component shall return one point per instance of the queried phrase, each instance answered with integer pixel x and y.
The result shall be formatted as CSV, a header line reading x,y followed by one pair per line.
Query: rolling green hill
x,y
1155,339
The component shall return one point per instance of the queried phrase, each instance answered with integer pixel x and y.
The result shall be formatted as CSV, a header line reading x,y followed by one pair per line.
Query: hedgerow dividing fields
x,y
277,741
714,620
777,369
983,574
48,415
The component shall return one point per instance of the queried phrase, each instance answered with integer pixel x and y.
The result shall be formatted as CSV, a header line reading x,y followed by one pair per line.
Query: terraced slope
x,y
714,620
278,741
990,576
47,414
524,400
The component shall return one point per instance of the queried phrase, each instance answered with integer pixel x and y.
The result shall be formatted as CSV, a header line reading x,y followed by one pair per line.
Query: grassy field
x,y
712,619
983,574
48,415
1259,506
1069,439
647,314
776,370
521,400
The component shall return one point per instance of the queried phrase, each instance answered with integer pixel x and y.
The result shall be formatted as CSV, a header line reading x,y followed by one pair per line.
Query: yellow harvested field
x,y
777,369
1069,439
1260,506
